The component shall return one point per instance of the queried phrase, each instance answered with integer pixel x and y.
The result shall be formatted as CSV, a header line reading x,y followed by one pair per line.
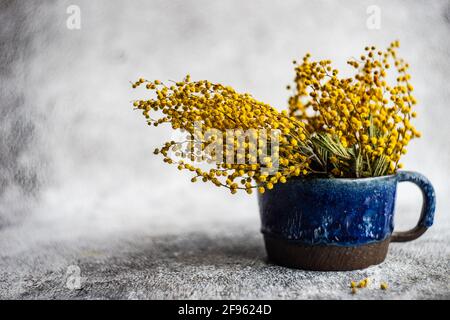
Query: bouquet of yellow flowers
x,y
335,127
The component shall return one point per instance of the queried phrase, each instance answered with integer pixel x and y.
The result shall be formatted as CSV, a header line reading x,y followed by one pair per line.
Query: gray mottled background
x,y
79,185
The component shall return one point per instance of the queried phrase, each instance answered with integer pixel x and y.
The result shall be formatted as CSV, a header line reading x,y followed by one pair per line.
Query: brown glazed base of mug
x,y
325,258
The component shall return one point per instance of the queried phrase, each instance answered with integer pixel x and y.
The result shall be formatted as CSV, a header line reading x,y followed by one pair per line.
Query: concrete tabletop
x,y
210,263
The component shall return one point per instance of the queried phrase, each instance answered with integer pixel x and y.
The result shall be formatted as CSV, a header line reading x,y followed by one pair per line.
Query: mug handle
x,y
428,206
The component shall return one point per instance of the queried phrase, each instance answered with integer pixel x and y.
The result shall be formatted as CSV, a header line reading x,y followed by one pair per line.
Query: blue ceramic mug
x,y
337,224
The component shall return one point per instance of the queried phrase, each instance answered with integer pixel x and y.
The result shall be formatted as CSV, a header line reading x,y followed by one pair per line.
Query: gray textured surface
x,y
79,184
224,263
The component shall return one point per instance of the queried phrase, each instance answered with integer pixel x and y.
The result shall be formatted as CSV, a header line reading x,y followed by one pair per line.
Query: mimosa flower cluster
x,y
237,125
364,114
352,127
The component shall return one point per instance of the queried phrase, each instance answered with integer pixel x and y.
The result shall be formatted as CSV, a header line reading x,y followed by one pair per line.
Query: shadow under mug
x,y
337,224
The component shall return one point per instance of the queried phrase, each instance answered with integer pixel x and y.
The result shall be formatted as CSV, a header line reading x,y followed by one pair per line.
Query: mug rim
x,y
390,176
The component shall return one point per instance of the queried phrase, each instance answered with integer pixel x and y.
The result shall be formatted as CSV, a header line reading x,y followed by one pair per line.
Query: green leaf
x,y
381,166
331,144
358,164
